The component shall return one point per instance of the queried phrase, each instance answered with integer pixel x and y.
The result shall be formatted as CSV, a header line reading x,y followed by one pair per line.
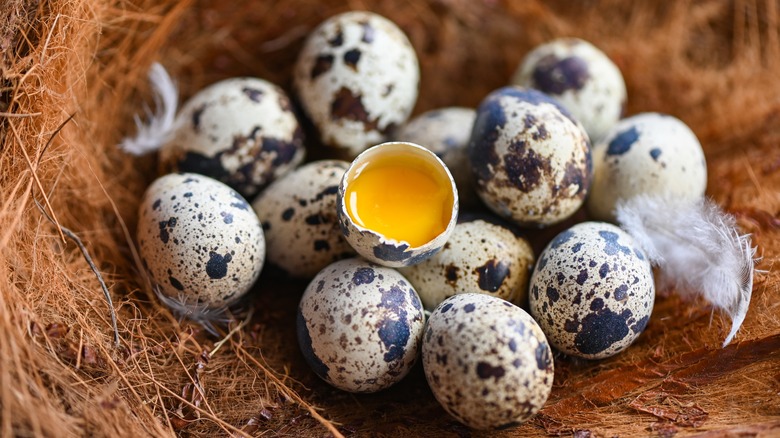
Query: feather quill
x,y
697,248
159,126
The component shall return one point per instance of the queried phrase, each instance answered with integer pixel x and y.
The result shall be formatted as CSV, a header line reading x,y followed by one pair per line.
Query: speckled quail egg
x,y
650,153
486,361
446,133
478,257
356,78
360,325
397,204
199,240
241,131
592,290
581,77
298,213
531,159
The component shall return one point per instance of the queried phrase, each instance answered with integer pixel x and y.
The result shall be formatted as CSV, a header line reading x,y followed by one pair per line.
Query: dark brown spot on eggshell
x,y
351,58
487,371
348,105
492,274
322,64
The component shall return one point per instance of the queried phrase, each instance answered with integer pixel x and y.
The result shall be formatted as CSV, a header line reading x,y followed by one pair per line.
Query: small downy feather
x,y
200,313
159,125
697,248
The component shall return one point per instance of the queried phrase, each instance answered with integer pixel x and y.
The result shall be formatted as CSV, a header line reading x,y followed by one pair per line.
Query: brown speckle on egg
x,y
241,131
478,257
579,76
337,76
592,291
651,154
530,158
200,244
359,325
487,361
299,216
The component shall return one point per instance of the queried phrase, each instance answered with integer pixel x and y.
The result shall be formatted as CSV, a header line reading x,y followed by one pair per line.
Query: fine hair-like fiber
x,y
711,63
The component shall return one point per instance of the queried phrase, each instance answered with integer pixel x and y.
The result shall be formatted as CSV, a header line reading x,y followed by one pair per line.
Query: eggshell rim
x,y
436,243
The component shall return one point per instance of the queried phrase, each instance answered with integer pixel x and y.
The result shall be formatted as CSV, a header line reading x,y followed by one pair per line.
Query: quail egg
x,y
478,257
486,361
579,76
446,133
356,78
650,153
199,240
397,204
592,290
360,325
298,213
531,159
241,131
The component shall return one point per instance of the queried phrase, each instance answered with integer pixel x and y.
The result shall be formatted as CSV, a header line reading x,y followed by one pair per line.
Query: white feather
x,y
697,248
159,126
184,307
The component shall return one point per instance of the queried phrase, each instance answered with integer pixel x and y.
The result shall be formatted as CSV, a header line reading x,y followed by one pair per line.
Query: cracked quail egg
x,y
360,325
199,240
241,131
579,76
530,158
478,257
592,290
487,361
648,153
357,78
397,204
298,213
446,132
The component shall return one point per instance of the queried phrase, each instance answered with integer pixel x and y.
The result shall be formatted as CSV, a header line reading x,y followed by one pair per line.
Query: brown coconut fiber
x,y
73,74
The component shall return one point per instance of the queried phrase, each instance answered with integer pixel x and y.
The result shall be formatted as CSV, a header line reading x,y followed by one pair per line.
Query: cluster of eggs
x,y
377,229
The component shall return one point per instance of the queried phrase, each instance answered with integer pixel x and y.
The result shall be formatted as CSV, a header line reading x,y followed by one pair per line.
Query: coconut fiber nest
x,y
73,74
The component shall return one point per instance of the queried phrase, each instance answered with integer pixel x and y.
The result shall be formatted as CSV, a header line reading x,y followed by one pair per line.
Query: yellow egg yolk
x,y
401,198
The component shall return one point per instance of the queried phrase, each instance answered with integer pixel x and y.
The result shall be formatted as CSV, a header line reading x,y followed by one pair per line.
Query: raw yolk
x,y
401,198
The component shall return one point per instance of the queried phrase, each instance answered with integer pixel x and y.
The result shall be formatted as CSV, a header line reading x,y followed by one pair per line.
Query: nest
x,y
73,73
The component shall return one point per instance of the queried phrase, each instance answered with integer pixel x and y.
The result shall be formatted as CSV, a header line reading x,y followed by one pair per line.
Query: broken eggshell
x,y
240,131
373,245
357,77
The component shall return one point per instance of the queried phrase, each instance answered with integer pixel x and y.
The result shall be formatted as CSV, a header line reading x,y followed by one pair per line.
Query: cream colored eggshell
x,y
360,325
486,361
446,133
531,160
581,77
241,131
199,240
592,290
478,257
298,213
650,153
357,77
374,246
